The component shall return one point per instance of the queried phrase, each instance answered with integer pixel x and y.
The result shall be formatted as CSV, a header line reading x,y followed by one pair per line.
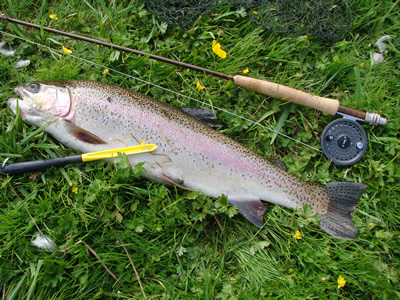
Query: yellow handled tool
x,y
142,148
36,165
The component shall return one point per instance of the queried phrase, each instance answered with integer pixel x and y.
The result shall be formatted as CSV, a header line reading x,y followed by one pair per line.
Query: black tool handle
x,y
37,165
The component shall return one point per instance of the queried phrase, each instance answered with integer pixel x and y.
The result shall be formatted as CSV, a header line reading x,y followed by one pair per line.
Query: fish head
x,y
39,103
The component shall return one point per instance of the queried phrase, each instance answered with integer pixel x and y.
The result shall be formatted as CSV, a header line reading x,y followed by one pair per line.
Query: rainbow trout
x,y
91,116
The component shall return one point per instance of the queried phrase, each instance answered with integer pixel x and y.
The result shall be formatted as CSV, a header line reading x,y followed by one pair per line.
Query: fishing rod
x,y
327,105
343,141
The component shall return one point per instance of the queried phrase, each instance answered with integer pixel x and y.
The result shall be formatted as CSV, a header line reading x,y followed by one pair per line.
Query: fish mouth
x,y
15,104
12,104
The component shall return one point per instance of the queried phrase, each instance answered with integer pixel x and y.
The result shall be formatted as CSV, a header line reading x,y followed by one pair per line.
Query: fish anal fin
x,y
343,198
252,209
84,135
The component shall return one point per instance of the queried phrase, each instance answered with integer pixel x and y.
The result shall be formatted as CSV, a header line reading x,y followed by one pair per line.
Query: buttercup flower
x,y
199,86
53,16
341,282
245,71
216,47
105,71
299,75
75,190
66,50
297,235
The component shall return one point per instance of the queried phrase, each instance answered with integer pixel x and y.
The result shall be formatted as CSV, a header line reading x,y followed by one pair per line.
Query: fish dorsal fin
x,y
252,209
204,115
278,163
84,135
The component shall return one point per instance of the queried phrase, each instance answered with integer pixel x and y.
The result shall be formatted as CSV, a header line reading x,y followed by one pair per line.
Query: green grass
x,y
183,244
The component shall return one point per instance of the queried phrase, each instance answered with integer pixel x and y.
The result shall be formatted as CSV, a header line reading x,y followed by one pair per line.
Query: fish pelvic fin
x,y
252,209
343,198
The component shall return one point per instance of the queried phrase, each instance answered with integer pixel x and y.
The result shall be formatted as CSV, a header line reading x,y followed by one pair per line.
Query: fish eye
x,y
33,87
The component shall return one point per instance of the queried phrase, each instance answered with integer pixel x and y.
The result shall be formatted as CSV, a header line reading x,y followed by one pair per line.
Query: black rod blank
x,y
37,165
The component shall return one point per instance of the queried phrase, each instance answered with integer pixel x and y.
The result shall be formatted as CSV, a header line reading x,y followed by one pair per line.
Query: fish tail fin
x,y
343,198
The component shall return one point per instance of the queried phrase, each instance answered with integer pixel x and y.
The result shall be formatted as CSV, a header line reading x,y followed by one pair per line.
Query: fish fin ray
x,y
84,135
252,209
344,198
169,179
204,115
278,163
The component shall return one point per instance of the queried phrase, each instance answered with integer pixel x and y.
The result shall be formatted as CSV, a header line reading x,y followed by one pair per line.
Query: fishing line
x,y
165,89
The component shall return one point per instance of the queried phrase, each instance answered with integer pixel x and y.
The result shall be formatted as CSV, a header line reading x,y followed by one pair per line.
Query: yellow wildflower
x,y
341,282
216,47
53,16
66,50
297,235
75,189
105,71
255,12
245,71
199,86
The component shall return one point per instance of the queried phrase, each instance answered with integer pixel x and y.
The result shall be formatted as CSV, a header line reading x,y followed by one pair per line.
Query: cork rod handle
x,y
327,105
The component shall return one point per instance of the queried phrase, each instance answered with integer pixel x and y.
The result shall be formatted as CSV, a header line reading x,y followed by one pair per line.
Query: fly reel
x,y
344,141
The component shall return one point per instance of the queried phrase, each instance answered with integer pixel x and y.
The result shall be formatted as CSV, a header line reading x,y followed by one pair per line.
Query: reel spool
x,y
344,141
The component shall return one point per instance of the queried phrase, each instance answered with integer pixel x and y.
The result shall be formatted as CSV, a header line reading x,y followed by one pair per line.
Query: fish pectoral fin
x,y
83,135
252,209
170,179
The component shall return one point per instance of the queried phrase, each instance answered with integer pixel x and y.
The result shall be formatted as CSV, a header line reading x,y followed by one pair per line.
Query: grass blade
x,y
35,276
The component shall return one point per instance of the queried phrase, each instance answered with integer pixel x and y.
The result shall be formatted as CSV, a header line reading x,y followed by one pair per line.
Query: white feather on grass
x,y
44,242
380,43
378,58
5,50
22,63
